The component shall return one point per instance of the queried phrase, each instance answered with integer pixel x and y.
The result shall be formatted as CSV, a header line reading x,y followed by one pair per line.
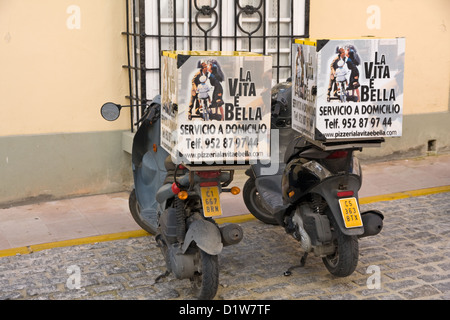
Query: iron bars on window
x,y
262,26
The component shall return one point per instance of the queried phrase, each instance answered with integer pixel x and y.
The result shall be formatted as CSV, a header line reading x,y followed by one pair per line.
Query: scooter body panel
x,y
329,188
149,171
303,177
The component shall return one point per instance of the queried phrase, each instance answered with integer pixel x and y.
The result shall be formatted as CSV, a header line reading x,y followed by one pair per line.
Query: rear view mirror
x,y
110,111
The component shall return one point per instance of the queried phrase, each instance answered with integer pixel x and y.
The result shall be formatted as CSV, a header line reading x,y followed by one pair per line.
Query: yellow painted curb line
x,y
232,219
236,219
404,194
73,242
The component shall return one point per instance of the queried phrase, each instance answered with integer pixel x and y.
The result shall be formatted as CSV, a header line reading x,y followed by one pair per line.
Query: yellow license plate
x,y
211,201
350,212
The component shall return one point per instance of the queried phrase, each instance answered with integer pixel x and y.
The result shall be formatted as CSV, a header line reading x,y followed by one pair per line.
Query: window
x,y
263,26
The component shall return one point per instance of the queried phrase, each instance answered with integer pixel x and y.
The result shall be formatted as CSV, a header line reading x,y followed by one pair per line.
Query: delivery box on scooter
x,y
347,89
216,106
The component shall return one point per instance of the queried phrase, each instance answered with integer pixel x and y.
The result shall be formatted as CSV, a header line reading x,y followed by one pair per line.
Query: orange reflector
x,y
155,147
235,190
182,195
291,194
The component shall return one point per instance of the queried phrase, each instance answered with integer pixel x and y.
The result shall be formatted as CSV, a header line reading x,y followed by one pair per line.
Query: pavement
x,y
43,245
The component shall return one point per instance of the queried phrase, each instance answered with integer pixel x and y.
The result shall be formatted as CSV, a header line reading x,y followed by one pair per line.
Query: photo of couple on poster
x,y
207,92
344,75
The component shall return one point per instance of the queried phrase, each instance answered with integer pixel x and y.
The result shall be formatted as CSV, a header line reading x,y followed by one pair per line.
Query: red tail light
x,y
209,184
208,174
344,194
338,155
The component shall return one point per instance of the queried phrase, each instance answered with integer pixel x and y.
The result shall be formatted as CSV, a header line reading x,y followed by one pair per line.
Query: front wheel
x,y
205,281
343,261
253,202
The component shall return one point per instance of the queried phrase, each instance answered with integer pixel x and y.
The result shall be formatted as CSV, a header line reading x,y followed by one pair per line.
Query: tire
x,y
135,213
205,282
345,259
253,203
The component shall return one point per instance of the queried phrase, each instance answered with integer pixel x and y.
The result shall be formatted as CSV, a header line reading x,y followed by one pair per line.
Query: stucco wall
x,y
59,62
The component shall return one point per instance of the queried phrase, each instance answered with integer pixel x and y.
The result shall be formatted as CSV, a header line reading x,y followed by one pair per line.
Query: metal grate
x,y
263,26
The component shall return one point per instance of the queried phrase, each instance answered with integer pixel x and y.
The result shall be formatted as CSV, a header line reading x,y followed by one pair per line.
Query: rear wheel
x,y
344,260
253,202
205,281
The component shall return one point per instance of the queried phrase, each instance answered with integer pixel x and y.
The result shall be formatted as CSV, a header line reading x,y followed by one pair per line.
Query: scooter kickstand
x,y
161,276
288,272
303,259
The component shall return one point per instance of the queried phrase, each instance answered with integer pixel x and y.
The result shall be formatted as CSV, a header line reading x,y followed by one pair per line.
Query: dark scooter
x,y
314,194
171,200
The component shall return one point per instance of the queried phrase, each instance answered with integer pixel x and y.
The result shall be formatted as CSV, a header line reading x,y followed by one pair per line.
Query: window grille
x,y
262,26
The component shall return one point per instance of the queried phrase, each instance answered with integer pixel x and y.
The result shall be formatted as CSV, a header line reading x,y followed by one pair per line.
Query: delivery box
x,y
215,106
347,89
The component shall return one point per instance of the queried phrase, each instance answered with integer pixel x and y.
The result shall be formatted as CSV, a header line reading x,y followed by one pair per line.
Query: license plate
x,y
350,212
211,201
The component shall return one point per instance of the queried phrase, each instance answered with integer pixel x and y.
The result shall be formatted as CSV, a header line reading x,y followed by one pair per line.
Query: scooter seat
x,y
168,164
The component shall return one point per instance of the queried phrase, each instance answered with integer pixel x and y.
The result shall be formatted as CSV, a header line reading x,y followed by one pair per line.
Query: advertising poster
x,y
359,87
304,80
216,106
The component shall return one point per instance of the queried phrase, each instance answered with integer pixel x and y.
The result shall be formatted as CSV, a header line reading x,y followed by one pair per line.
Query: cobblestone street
x,y
408,260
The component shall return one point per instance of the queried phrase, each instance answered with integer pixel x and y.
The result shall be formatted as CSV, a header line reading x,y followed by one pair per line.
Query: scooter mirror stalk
x,y
110,111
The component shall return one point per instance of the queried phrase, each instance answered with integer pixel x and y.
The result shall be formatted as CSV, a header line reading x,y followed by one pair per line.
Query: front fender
x,y
206,235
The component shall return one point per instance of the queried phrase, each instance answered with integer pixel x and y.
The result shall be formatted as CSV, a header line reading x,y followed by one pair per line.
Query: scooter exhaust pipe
x,y
231,234
372,222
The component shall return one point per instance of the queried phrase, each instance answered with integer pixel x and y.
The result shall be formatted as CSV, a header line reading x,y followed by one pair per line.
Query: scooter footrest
x,y
272,199
269,189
